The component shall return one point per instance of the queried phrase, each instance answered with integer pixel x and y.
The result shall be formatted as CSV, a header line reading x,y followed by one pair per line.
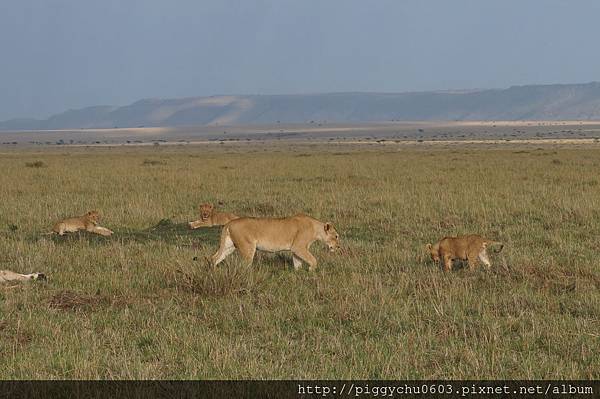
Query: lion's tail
x,y
495,243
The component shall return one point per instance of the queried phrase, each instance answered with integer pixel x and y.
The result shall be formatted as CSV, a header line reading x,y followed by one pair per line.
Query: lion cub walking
x,y
209,217
472,248
87,222
7,276
294,234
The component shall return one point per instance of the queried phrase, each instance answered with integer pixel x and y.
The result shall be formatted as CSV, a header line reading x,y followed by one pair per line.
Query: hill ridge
x,y
579,101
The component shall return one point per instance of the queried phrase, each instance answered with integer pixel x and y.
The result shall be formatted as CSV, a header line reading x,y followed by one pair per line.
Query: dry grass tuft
x,y
69,300
228,280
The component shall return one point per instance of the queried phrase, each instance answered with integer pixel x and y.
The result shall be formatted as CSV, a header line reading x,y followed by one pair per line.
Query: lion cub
x,y
472,248
8,276
209,217
87,222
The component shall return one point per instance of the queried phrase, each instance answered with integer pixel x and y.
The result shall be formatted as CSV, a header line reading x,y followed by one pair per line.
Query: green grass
x,y
145,304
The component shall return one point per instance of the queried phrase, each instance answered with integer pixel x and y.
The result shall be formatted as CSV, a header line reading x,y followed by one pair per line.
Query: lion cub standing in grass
x,y
472,248
8,276
209,217
87,222
295,234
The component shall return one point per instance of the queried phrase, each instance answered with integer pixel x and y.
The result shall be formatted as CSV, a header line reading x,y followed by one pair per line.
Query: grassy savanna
x,y
145,304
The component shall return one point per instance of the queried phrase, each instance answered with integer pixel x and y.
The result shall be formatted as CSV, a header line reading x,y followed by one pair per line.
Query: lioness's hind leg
x,y
221,255
223,252
247,250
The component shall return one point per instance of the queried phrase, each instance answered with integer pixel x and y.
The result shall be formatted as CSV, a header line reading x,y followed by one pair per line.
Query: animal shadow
x,y
172,233
165,231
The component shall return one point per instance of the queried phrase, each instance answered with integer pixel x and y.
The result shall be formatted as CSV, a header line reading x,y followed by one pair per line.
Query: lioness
x,y
7,275
295,234
209,217
87,222
471,248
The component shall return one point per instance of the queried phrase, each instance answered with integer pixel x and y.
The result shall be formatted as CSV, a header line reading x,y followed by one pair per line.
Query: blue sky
x,y
60,54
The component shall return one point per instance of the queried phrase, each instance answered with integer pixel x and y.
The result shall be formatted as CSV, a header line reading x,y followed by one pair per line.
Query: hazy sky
x,y
60,54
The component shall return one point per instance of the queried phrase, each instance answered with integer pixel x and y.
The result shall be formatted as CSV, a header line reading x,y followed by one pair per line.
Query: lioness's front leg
x,y
198,223
306,256
483,257
297,262
447,263
61,230
473,260
103,231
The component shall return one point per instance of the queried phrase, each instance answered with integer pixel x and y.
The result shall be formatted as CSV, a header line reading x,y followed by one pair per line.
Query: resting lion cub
x,y
7,276
472,248
294,234
209,217
87,222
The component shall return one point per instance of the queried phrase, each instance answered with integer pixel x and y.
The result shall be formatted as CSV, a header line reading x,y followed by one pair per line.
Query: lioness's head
x,y
206,211
332,238
93,216
433,251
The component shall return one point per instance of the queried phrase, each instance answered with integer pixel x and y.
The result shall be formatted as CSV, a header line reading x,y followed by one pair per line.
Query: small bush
x,y
153,162
36,164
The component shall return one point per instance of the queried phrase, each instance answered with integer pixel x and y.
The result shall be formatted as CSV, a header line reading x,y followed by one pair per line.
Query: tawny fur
x,y
295,234
87,222
471,248
9,276
210,217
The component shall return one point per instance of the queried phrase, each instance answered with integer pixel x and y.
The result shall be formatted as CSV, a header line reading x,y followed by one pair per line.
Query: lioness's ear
x,y
327,226
428,247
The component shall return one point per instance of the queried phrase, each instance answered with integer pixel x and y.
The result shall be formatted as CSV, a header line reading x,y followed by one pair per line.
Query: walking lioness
x,y
87,222
7,276
209,217
295,234
472,248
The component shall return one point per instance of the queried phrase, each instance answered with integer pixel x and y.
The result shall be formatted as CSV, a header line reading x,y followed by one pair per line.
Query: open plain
x,y
144,303
366,133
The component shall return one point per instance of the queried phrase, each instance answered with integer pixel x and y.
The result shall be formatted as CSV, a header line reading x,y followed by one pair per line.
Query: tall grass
x,y
145,304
